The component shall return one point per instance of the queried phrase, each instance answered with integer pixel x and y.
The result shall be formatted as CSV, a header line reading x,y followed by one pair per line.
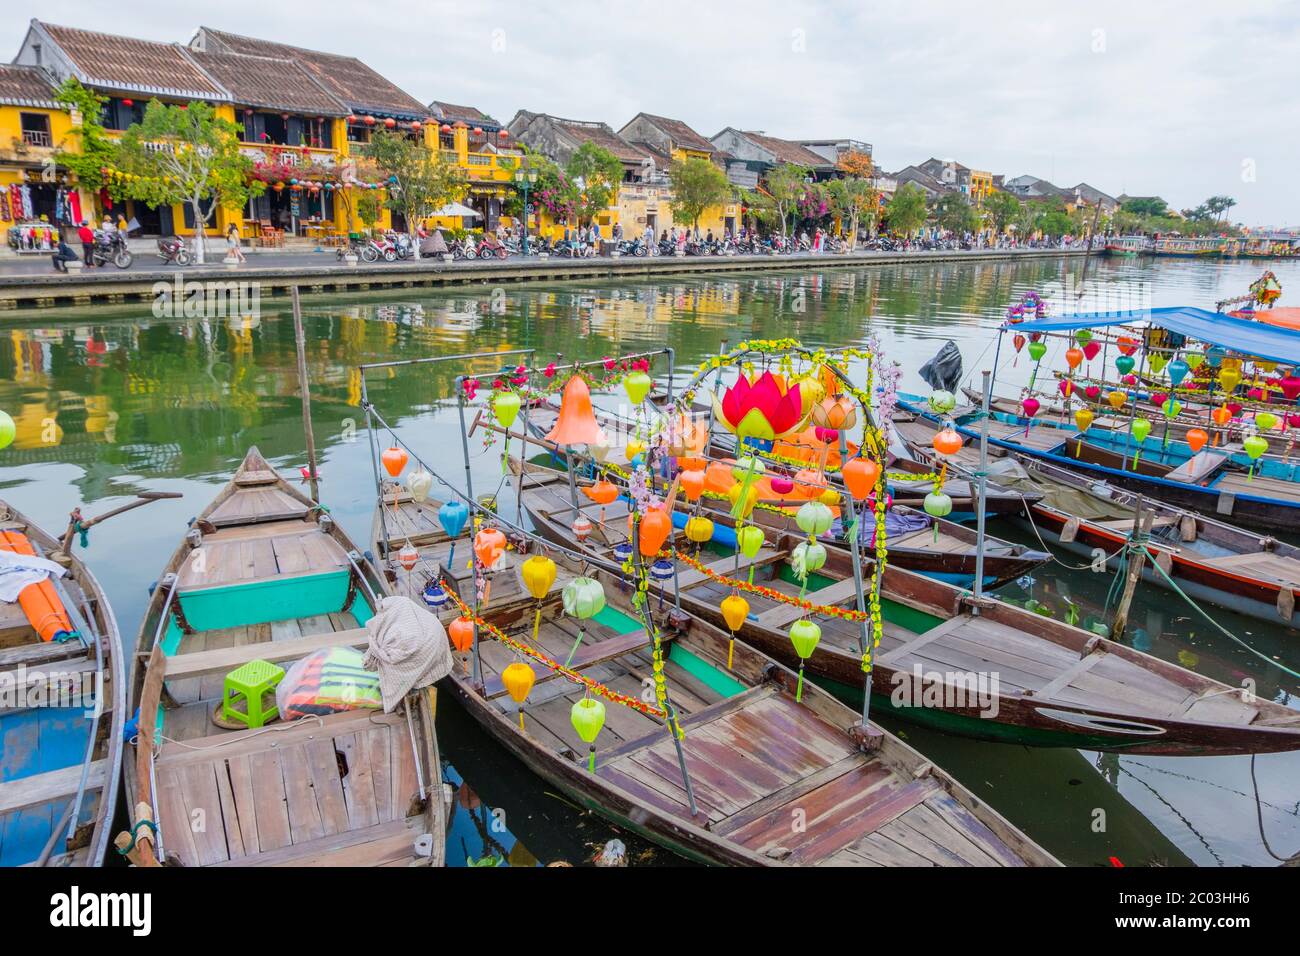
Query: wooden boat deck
x,y
247,553
341,791
1263,565
1239,483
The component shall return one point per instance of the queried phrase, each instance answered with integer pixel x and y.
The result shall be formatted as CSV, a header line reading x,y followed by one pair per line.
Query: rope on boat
x,y
1029,513
1138,540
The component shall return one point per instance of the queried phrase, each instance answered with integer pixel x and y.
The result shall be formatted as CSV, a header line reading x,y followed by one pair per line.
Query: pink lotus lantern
x,y
762,411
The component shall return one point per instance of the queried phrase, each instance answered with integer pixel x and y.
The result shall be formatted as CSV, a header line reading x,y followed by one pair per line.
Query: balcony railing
x,y
37,137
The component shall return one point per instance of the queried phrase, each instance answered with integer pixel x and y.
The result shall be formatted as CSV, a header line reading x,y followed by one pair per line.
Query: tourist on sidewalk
x,y
87,237
233,247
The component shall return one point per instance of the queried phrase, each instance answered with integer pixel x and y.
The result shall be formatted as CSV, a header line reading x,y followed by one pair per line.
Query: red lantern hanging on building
x,y
370,121
390,122
503,133
128,103
352,117
445,127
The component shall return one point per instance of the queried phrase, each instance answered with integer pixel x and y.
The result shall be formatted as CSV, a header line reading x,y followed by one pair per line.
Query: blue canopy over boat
x,y
1239,335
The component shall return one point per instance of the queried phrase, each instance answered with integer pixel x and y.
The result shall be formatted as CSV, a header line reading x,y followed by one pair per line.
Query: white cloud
x,y
1177,97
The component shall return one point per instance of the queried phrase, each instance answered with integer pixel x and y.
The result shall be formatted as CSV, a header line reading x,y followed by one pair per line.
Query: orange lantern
x,y
576,424
692,484
655,528
1196,438
809,482
488,546
461,633
394,460
718,477
602,492
1221,415
947,442
860,476
1073,357
838,413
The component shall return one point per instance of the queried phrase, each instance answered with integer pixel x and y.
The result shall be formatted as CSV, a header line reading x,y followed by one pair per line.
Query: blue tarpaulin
x,y
1239,335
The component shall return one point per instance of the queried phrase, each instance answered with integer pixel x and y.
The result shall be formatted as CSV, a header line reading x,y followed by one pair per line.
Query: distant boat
x,y
1129,247
1180,247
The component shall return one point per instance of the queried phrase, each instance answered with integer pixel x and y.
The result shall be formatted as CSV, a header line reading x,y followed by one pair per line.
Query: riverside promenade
x,y
31,283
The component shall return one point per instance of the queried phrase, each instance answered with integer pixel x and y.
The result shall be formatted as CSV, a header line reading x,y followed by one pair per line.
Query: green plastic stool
x,y
252,681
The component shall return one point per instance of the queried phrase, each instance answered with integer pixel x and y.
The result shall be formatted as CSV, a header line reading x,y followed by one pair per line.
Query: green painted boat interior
x,y
708,674
262,602
918,622
617,621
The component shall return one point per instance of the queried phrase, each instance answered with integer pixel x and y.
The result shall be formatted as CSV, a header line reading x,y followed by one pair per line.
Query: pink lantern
x,y
1092,391
1090,350
1290,387
1030,406
1066,386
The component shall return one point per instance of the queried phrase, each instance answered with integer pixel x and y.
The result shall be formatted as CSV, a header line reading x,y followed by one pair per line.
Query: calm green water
x,y
112,402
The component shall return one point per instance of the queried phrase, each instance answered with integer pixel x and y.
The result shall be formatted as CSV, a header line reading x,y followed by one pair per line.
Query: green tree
x,y
93,150
1152,206
419,180
954,213
697,184
855,200
595,174
1003,209
906,210
785,186
187,155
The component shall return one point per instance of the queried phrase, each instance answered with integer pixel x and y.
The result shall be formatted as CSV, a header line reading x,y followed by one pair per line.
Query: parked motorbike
x,y
111,247
173,251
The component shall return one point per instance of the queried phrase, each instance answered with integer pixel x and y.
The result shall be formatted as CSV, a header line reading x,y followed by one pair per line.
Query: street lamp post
x,y
525,177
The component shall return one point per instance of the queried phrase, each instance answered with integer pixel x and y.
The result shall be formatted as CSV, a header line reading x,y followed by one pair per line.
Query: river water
x,y
111,402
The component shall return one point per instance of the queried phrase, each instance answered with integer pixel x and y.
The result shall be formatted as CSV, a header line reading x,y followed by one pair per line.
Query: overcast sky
x,y
1184,100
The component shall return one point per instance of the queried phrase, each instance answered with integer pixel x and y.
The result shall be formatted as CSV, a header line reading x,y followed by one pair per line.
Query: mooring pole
x,y
1137,559
301,342
474,506
981,484
851,530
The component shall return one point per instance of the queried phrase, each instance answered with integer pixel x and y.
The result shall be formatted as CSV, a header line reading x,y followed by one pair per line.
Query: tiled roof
x,y
127,64
662,158
356,84
786,151
270,82
26,86
450,112
601,135
683,136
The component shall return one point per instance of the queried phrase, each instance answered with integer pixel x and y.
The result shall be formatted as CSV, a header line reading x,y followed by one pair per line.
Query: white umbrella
x,y
456,209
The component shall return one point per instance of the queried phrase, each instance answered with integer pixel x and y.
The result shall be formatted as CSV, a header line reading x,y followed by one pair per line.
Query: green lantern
x,y
637,385
7,430
804,635
938,504
814,518
1194,360
750,540
588,717
747,465
1124,363
1157,362
505,406
1171,407
1037,350
807,557
1140,429
1083,336
583,598
1266,420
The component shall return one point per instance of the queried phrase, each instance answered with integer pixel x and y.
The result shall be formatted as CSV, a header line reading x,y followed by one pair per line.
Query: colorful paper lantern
x,y
734,611
1229,378
1196,439
1037,350
1178,370
505,406
583,598
938,504
408,557
1265,420
1083,418
1140,429
453,516
394,460
489,545
419,484
946,441
762,410
750,540
804,635
692,484
1030,407
538,575
655,528
588,717
699,529
461,632
814,518
807,558
860,476
1073,357
1124,363
576,424
1116,399
941,402
637,385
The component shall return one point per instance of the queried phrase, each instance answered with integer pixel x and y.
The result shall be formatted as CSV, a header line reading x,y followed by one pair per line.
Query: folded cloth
x,y
19,570
408,647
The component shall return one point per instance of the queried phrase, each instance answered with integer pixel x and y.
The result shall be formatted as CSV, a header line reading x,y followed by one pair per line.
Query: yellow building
x,y
668,141
33,127
483,148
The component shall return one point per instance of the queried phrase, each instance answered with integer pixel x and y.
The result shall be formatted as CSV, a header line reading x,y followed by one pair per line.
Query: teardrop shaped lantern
x,y
582,598
408,557
804,635
518,679
656,526
489,545
637,385
860,476
814,518
538,574
394,460
588,717
419,484
576,423
735,609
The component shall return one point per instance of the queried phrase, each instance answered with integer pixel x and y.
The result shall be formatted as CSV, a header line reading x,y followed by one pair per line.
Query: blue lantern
x,y
661,571
453,515
1178,370
1215,355
435,597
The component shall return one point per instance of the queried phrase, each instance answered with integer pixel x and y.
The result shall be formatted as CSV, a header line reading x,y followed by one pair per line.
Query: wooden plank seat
x,y
223,660
293,548
43,787
1199,467
587,656
829,596
727,567
1274,567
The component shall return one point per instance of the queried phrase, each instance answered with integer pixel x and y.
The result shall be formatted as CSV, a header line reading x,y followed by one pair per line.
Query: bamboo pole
x,y
300,342
1142,520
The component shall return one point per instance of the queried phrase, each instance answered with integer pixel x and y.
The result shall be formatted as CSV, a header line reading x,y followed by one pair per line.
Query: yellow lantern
x,y
518,679
699,529
538,574
1229,378
734,611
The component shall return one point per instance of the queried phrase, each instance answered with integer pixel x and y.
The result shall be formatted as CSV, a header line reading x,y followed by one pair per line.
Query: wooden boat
x,y
1129,247
61,720
265,574
1045,682
944,550
1213,481
1210,560
754,754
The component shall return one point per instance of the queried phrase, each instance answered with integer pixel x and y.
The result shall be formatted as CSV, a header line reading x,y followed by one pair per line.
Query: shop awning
x,y
1216,328
456,209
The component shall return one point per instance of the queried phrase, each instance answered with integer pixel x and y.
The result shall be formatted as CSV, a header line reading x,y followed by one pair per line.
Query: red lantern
x,y
390,122
947,442
352,117
369,121
503,133
478,130
415,125
128,103
445,127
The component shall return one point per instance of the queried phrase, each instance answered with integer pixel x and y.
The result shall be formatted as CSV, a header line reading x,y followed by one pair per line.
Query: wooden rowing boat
x,y
1214,481
944,550
948,555
1044,682
1212,561
265,574
61,718
756,757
